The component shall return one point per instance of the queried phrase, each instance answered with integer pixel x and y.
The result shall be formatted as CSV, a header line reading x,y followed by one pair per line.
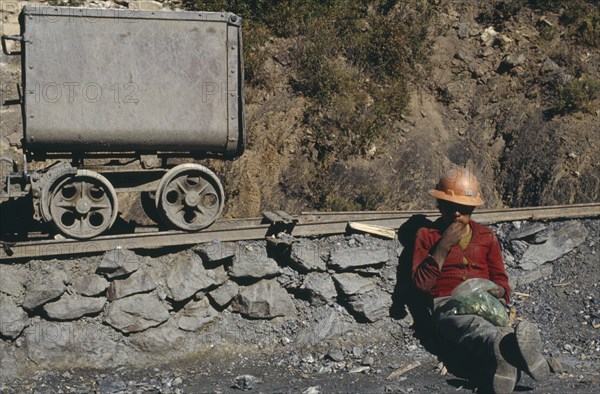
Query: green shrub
x,y
549,5
589,29
578,95
583,19
319,75
352,61
255,37
346,189
388,44
285,18
355,66
507,9
547,32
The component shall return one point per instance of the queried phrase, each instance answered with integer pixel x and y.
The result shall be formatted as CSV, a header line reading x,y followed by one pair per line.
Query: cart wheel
x,y
83,205
190,197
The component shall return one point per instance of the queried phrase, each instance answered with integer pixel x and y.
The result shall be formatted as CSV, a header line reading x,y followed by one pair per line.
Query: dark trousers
x,y
466,341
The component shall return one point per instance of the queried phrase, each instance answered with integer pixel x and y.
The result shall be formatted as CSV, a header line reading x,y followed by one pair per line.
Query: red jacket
x,y
483,255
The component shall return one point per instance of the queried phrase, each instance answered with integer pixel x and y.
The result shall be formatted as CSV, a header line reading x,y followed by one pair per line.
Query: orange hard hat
x,y
458,185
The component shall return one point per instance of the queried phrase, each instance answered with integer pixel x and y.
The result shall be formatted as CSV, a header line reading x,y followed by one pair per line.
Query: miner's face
x,y
452,212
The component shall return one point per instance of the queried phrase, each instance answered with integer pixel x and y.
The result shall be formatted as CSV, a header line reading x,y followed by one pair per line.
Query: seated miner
x,y
447,253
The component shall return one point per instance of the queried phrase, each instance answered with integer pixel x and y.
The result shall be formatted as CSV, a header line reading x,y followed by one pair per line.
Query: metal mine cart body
x,y
109,96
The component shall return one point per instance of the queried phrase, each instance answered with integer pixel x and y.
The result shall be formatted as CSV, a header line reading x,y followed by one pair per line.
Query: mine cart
x,y
112,99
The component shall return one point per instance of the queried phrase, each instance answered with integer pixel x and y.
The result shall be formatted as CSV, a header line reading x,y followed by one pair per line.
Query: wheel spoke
x,y
200,185
203,188
81,186
66,205
96,207
176,210
200,208
178,183
209,211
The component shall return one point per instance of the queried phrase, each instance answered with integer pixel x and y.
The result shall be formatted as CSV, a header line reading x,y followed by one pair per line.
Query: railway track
x,y
303,225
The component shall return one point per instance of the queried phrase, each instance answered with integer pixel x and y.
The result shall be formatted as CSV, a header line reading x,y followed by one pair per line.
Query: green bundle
x,y
472,298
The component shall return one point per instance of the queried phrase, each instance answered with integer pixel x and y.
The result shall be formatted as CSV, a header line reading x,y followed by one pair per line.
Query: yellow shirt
x,y
466,239
464,242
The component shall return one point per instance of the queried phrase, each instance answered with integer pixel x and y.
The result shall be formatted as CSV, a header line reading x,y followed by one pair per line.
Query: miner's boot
x,y
529,343
503,374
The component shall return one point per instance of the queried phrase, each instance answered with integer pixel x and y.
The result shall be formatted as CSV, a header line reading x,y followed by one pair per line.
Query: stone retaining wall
x,y
122,307
127,308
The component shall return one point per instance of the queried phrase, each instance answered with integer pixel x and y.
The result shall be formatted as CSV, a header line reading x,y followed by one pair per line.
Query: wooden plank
x,y
403,370
372,229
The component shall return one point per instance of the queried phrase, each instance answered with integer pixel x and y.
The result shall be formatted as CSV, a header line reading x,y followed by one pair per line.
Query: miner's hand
x,y
499,293
453,234
450,237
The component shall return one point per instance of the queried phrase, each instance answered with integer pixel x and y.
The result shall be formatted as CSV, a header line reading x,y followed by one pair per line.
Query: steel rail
x,y
308,224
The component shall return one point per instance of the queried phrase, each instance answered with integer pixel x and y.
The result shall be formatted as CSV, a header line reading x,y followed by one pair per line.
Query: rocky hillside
x,y
507,87
363,104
